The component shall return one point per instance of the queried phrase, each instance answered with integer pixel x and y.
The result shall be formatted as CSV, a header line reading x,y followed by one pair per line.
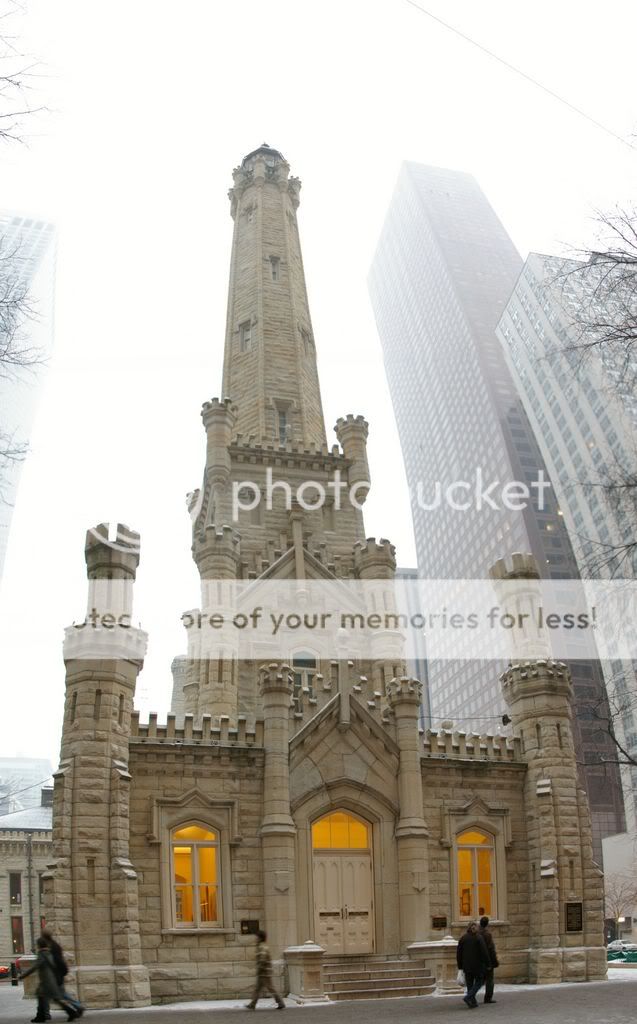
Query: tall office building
x,y
585,423
27,270
441,276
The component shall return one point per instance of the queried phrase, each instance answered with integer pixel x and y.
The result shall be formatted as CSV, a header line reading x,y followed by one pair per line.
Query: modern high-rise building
x,y
27,275
586,427
440,279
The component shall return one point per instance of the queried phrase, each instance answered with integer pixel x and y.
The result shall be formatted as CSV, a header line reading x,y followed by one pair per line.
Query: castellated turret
x,y
91,891
352,434
539,692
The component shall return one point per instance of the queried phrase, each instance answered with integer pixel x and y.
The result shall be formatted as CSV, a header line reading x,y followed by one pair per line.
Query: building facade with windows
x,y
585,424
25,853
443,271
297,795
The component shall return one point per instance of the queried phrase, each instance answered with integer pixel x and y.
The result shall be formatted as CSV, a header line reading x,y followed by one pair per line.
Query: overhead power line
x,y
522,74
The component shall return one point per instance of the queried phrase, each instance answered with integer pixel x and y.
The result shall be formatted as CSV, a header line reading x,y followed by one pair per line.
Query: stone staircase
x,y
375,977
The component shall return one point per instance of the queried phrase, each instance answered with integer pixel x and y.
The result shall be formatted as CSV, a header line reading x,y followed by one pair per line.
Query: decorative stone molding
x,y
164,812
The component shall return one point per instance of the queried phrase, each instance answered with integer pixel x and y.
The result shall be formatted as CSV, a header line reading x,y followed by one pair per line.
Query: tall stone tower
x,y
269,424
269,369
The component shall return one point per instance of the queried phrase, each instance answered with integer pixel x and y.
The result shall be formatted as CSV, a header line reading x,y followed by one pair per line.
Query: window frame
x,y
221,815
475,883
17,934
15,891
495,822
196,924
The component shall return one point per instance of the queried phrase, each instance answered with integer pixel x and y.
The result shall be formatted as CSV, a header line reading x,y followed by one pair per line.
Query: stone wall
x,y
221,786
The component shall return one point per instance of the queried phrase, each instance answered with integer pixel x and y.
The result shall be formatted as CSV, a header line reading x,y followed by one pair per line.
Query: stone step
x,y
382,993
372,984
367,964
379,973
350,958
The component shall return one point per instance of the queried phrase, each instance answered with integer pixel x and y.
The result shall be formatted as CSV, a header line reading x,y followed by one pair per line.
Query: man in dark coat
x,y
61,969
489,982
48,988
473,958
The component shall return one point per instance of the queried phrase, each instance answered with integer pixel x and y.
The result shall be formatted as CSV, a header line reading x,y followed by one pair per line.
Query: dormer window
x,y
275,264
245,336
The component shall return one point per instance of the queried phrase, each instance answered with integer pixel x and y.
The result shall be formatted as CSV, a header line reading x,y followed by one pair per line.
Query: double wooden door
x,y
343,901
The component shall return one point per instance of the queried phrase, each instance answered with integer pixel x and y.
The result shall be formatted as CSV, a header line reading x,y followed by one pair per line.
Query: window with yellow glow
x,y
340,831
475,859
195,869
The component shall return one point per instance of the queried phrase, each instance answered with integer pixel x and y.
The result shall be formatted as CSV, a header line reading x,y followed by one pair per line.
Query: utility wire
x,y
26,788
522,74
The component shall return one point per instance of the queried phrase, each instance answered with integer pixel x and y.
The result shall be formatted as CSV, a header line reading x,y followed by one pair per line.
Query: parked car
x,y
621,946
4,972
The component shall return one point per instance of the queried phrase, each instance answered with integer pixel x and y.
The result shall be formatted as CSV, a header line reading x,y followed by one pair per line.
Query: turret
x,y
538,690
352,432
92,897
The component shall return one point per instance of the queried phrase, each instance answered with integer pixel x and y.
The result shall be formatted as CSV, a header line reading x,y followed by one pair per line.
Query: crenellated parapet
x,y
275,678
375,559
523,565
208,732
217,552
448,744
404,690
531,679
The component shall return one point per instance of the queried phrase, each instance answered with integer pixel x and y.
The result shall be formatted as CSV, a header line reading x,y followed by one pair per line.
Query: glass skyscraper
x,y
441,276
585,422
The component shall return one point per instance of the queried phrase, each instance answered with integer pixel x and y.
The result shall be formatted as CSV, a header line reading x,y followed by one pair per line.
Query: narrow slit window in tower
x,y
245,336
275,264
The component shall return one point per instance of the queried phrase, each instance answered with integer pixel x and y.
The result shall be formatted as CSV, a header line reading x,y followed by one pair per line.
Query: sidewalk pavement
x,y
612,1002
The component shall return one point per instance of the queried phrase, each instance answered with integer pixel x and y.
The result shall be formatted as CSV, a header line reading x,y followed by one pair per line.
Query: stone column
x,y
278,832
404,696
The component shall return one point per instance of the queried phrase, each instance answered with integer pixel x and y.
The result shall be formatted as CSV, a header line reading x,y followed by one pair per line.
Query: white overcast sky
x,y
152,104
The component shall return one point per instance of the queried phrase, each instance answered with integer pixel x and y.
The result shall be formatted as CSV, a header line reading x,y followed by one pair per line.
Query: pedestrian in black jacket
x,y
48,988
489,982
61,969
473,958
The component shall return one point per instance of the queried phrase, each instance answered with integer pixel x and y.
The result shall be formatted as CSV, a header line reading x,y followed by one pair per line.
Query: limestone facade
x,y
25,853
315,809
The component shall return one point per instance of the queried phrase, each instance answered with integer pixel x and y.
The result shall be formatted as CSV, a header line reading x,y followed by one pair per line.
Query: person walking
x,y
48,989
264,984
61,969
472,957
489,981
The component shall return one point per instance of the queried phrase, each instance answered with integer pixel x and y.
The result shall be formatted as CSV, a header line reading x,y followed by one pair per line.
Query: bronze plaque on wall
x,y
574,917
439,922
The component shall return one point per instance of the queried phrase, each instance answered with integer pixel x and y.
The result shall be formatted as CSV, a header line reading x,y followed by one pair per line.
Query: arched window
x,y
475,858
340,831
304,668
195,873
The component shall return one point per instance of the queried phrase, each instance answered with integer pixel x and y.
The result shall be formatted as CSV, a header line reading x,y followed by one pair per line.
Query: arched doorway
x,y
343,883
